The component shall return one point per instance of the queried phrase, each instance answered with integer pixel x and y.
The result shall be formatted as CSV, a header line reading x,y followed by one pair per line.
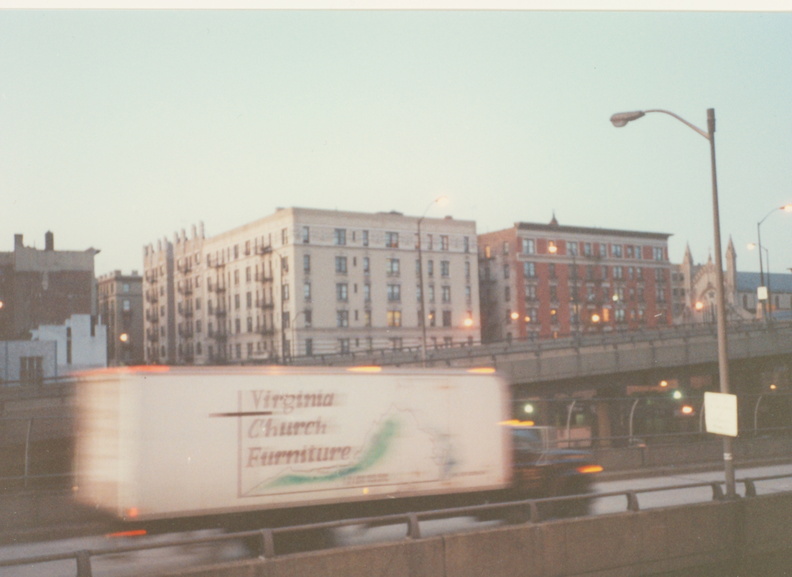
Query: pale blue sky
x,y
118,128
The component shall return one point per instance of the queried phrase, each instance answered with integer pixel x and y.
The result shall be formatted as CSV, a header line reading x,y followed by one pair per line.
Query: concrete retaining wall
x,y
721,538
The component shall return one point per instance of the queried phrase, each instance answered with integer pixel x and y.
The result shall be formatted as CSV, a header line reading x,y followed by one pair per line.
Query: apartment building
x,y
121,308
549,280
308,282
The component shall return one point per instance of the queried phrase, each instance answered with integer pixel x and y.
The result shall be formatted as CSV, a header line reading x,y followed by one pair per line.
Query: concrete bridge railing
x,y
724,538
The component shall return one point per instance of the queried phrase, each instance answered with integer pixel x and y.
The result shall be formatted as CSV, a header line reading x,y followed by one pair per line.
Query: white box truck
x,y
165,442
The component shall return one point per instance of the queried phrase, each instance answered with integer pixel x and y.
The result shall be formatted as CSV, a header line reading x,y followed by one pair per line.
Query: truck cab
x,y
543,467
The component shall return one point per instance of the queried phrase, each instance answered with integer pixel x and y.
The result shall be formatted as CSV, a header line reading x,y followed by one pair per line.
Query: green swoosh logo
x,y
379,447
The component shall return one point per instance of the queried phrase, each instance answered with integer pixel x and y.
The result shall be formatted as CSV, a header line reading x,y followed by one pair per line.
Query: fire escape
x,y
267,304
152,316
185,311
220,334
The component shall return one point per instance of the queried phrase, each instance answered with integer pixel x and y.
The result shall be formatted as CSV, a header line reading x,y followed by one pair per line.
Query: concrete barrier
x,y
718,538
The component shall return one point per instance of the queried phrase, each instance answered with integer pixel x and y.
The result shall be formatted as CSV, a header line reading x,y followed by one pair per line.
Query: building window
x,y
529,270
445,268
616,250
528,246
530,292
342,319
339,236
466,242
394,318
342,291
394,293
306,235
393,267
341,264
444,242
307,291
308,316
31,370
343,346
306,263
658,253
285,292
365,237
446,294
392,239
446,318
366,265
367,292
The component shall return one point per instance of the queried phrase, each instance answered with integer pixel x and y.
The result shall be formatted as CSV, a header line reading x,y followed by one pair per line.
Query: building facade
x,y
695,291
81,343
43,287
549,280
121,308
307,282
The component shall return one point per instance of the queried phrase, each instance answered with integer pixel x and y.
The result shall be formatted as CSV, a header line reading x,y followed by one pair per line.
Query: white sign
x,y
761,293
720,413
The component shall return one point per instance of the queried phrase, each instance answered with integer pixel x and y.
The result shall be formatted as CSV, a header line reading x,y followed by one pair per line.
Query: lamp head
x,y
622,118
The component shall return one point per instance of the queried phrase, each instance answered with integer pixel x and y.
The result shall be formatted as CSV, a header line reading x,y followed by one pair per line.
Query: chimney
x,y
49,241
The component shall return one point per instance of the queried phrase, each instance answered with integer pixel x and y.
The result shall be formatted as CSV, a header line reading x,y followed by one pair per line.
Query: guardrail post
x,y
266,544
632,502
83,564
717,492
28,435
750,488
535,515
413,528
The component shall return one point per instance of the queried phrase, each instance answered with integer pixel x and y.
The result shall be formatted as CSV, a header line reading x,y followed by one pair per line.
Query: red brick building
x,y
549,281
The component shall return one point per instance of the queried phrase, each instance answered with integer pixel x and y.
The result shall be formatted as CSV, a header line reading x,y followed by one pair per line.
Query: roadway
x,y
651,492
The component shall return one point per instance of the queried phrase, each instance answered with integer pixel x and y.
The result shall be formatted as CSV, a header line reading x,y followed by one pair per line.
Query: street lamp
x,y
621,119
763,292
787,208
440,200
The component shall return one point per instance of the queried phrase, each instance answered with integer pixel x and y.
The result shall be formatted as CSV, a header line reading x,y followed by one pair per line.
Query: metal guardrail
x,y
516,346
526,511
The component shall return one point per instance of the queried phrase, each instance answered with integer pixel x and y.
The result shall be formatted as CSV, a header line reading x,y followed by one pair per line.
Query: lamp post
x,y
760,294
621,119
440,200
787,208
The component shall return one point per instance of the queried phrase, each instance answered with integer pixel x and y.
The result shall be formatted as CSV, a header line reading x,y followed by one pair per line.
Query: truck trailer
x,y
168,443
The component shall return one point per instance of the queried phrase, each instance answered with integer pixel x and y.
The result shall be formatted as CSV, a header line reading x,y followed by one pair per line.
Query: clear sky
x,y
118,128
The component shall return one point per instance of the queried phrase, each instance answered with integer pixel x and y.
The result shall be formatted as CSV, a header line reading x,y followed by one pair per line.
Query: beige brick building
x,y
307,282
